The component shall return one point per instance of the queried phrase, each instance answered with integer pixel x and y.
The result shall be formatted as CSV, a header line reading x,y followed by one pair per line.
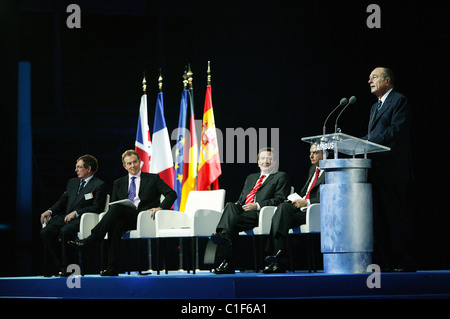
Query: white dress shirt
x,y
384,97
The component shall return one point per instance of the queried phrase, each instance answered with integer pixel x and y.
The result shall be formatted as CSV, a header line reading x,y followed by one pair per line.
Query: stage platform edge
x,y
242,285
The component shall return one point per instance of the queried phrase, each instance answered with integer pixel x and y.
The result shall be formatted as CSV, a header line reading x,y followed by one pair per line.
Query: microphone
x,y
342,102
350,101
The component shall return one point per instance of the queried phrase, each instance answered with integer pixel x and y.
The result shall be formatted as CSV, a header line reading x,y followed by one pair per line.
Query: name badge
x,y
88,196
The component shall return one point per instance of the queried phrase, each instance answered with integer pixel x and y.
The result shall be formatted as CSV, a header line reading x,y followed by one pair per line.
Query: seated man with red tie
x,y
269,187
293,214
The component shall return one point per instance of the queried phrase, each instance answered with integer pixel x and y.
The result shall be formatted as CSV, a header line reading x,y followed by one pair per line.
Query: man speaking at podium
x,y
391,174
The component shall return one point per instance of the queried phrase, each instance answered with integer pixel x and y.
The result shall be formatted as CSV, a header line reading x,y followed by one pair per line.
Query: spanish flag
x,y
209,168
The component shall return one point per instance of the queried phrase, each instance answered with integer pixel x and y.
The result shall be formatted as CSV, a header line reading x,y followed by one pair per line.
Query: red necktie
x,y
251,195
313,183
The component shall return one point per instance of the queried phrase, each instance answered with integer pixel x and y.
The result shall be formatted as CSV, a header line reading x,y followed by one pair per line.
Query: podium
x,y
346,203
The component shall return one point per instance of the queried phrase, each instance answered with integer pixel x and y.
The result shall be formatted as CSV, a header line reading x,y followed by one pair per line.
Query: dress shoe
x,y
110,271
404,269
221,239
79,244
64,273
386,269
276,258
224,268
274,268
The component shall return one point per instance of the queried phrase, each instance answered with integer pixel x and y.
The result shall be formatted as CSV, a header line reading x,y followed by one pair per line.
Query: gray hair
x,y
388,73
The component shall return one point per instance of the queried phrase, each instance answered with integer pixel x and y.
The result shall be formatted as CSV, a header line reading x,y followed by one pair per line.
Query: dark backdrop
x,y
275,64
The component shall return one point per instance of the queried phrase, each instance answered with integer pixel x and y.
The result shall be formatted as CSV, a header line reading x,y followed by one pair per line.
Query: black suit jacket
x,y
391,127
150,191
314,195
70,201
272,192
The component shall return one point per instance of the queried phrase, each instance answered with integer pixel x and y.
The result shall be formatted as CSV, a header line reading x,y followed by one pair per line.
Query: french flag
x,y
143,144
161,161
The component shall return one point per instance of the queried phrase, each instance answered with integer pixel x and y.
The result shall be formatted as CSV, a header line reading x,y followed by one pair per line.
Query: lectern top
x,y
346,144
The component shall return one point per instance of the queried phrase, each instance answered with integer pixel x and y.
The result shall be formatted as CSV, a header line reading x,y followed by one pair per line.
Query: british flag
x,y
143,144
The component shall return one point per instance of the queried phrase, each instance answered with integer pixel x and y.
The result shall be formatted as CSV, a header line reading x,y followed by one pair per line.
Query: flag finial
x,y
209,74
185,78
144,84
190,74
160,84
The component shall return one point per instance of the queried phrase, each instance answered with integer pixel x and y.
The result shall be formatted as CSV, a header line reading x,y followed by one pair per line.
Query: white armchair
x,y
311,226
199,219
89,220
264,222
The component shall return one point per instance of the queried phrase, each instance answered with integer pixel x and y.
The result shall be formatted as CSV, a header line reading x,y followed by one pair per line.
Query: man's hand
x,y
45,217
153,211
70,216
249,207
299,203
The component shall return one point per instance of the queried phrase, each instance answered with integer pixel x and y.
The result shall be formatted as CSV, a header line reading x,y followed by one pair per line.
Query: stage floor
x,y
242,285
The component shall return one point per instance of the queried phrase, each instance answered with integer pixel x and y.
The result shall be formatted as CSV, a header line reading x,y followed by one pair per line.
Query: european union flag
x,y
179,149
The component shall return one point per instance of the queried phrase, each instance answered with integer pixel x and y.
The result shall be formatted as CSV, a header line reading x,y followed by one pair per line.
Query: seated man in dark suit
x,y
87,193
269,187
293,214
144,190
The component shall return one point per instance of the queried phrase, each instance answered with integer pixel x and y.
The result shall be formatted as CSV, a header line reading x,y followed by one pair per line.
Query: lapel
x,y
251,182
386,105
86,190
312,171
144,180
267,181
122,191
320,180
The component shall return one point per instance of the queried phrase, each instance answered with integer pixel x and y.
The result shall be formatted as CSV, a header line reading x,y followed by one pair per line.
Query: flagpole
x,y
149,243
208,81
190,74
180,240
191,103
144,84
160,84
185,79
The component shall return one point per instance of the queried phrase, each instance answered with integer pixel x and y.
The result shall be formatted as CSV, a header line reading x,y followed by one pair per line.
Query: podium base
x,y
346,263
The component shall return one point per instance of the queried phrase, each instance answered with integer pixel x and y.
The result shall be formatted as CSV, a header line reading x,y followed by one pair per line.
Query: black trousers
x,y
394,244
234,220
60,254
117,220
286,217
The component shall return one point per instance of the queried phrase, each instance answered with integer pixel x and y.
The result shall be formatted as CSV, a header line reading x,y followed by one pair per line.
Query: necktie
x,y
372,119
380,103
251,195
313,183
83,182
132,190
